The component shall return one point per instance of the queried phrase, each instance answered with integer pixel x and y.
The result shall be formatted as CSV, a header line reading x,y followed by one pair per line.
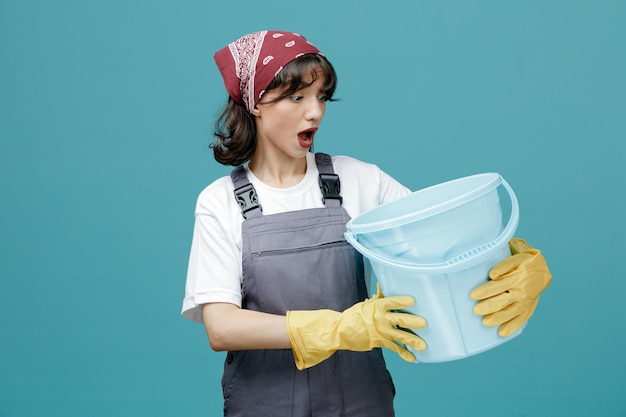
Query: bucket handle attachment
x,y
463,260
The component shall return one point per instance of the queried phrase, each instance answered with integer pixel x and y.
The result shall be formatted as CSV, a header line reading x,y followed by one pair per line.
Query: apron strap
x,y
245,194
248,201
328,180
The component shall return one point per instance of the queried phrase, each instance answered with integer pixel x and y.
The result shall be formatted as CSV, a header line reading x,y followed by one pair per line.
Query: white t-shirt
x,y
215,273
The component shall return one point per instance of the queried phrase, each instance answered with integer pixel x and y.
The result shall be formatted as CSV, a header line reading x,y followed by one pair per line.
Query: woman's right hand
x,y
317,334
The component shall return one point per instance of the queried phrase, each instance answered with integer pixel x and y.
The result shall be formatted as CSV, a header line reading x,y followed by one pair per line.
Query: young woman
x,y
270,274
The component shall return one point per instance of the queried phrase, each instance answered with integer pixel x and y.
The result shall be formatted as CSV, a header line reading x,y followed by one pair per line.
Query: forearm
x,y
232,328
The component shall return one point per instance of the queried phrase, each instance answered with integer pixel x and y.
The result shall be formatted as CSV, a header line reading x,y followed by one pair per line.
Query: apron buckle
x,y
331,187
247,199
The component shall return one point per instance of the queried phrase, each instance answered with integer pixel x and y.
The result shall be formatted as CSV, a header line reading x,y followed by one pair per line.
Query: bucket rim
x,y
463,261
493,180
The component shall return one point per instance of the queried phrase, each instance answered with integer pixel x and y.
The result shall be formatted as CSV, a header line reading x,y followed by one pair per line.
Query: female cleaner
x,y
270,274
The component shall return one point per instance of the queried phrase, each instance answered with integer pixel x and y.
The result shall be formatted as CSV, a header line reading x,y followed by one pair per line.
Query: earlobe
x,y
256,112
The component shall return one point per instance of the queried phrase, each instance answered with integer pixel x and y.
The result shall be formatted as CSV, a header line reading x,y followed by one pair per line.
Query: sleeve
x,y
214,269
390,189
365,186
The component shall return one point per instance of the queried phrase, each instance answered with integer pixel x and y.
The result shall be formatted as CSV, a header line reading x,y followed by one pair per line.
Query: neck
x,y
276,171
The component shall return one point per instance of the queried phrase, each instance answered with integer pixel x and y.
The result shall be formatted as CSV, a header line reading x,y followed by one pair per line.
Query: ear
x,y
256,112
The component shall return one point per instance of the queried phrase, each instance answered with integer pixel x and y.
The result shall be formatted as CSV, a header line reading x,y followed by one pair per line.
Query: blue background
x,y
106,113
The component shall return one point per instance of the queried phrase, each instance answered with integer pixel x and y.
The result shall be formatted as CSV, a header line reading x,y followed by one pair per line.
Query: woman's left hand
x,y
510,297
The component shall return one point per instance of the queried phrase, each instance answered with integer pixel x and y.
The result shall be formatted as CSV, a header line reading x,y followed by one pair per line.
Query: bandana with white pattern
x,y
249,64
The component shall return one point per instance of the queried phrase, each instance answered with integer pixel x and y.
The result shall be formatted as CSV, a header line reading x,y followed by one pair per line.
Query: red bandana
x,y
249,64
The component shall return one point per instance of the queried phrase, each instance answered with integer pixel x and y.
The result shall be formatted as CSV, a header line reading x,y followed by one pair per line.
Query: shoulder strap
x,y
245,194
328,180
248,201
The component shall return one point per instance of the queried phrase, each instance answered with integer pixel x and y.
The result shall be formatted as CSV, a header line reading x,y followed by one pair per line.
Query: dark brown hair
x,y
235,133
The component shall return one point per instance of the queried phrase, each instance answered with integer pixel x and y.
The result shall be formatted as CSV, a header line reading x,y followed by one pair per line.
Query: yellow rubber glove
x,y
510,297
316,334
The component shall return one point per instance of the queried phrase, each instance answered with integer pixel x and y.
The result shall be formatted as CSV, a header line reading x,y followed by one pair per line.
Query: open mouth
x,y
305,138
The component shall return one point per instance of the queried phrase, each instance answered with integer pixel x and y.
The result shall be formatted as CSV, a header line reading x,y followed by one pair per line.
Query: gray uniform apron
x,y
300,260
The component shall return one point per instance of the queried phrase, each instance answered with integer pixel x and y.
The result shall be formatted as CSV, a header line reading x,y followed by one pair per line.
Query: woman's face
x,y
287,127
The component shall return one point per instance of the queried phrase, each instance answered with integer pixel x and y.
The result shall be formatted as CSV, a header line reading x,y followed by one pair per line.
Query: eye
x,y
296,98
323,98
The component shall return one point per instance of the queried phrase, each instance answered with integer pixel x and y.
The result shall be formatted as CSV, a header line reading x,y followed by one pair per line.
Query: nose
x,y
315,109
